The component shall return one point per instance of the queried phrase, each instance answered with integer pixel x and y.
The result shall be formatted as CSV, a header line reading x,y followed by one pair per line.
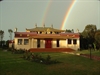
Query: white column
x,y
54,44
22,41
72,43
32,43
42,43
67,43
78,43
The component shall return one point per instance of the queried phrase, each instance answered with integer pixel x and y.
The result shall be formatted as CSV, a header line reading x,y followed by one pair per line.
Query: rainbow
x,y
46,11
67,14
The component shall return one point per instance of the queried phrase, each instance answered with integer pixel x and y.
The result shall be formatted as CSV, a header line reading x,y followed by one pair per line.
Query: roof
x,y
60,36
35,35
45,29
25,33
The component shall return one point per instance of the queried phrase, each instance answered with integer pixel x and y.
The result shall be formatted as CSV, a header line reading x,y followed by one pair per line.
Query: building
x,y
46,37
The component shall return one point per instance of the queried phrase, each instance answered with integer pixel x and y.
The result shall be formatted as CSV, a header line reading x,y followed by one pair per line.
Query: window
x,y
57,32
38,43
40,32
50,32
26,41
57,43
69,41
19,41
74,41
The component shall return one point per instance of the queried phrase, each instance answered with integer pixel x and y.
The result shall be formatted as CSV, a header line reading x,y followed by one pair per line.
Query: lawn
x,y
96,53
13,64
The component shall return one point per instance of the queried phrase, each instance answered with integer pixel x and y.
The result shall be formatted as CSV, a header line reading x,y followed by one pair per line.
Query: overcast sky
x,y
26,13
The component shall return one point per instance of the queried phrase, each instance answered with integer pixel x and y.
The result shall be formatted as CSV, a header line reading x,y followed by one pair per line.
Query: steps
x,y
51,50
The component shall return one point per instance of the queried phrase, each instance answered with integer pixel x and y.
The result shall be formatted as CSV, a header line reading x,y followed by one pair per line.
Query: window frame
x,y
69,41
74,41
19,41
27,42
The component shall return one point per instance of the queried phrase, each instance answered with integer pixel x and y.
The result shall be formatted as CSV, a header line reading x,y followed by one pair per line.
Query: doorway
x,y
48,43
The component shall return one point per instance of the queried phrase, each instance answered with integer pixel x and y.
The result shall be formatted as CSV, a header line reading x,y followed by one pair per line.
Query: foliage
x,y
19,51
10,32
69,31
1,35
89,31
97,37
38,58
90,35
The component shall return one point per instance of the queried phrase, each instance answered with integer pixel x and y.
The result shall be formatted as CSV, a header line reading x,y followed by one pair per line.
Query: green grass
x,y
96,53
13,64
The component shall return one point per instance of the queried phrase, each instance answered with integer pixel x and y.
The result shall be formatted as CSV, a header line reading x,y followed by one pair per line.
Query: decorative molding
x,y
27,34
53,32
73,36
48,30
20,34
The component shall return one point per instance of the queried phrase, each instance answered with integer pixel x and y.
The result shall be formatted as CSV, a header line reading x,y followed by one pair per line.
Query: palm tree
x,y
1,35
10,32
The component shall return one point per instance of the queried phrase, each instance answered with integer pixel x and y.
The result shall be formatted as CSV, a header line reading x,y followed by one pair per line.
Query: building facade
x,y
46,37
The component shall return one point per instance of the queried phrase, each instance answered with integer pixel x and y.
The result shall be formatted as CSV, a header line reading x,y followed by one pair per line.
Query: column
x,y
54,44
67,43
32,43
29,43
72,45
42,43
78,43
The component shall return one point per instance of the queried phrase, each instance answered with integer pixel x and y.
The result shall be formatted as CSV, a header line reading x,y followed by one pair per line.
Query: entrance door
x,y
48,43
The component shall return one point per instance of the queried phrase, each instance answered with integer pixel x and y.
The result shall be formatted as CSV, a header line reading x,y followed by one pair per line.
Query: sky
x,y
26,13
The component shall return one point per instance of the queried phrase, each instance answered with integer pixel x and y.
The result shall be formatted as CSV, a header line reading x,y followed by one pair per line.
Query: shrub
x,y
38,58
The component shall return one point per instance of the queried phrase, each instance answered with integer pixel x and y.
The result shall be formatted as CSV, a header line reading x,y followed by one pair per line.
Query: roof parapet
x,y
15,29
36,25
44,25
51,25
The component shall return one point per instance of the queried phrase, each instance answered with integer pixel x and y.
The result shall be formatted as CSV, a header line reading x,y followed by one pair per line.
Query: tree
x,y
97,37
1,35
10,32
89,31
88,35
69,31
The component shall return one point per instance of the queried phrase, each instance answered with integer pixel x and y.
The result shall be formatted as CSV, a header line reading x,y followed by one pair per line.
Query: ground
x,y
13,64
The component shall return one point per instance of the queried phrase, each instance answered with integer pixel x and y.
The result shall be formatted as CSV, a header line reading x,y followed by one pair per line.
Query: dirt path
x,y
92,57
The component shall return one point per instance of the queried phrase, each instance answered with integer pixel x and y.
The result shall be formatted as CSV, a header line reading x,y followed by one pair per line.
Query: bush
x,y
38,58
27,55
20,51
